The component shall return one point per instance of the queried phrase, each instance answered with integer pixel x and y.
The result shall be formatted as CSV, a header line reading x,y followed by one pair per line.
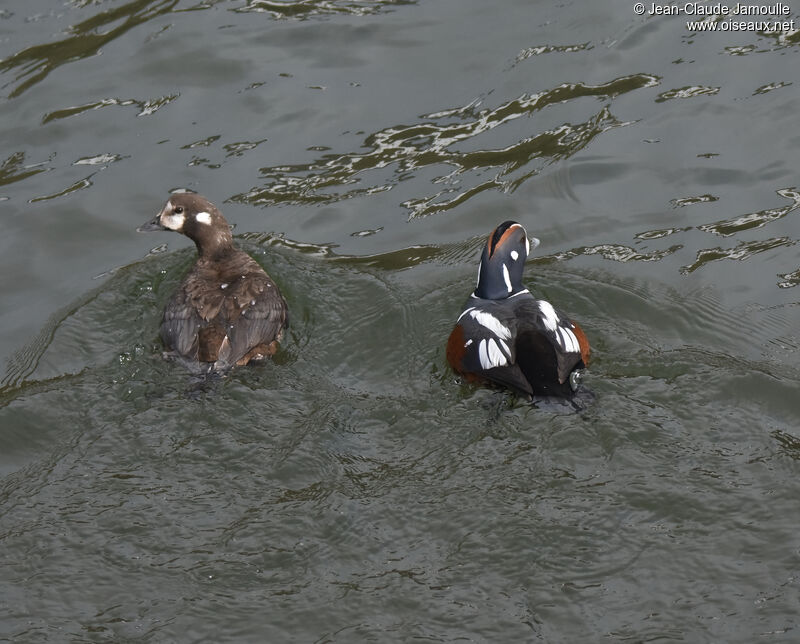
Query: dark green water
x,y
354,490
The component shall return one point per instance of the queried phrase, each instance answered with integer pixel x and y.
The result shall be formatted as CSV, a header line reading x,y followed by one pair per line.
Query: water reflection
x,y
770,87
400,150
550,49
15,169
300,500
301,9
747,249
687,92
146,106
34,64
688,201
729,227
789,280
742,250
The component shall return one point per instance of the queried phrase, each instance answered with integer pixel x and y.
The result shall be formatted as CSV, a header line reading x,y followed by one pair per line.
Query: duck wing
x,y
180,325
521,343
254,314
224,311
482,346
549,345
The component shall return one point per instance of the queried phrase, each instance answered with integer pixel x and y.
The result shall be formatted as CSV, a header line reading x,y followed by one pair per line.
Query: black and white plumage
x,y
508,337
227,311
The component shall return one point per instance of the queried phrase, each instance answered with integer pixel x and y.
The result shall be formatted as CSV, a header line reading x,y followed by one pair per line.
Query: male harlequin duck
x,y
508,337
227,311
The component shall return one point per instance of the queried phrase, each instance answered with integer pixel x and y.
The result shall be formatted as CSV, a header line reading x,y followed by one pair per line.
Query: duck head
x,y
197,218
503,261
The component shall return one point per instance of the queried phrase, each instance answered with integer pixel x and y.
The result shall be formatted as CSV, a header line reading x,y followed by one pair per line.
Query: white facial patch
x,y
203,218
514,254
550,318
507,278
490,322
173,221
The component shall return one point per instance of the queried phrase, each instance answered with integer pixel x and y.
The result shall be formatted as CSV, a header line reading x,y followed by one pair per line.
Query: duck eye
x,y
178,210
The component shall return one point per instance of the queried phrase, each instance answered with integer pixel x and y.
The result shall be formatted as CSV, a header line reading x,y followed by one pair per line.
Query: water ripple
x,y
729,227
430,143
782,39
146,107
790,280
99,159
662,232
14,169
549,49
34,64
770,87
687,92
238,148
613,252
742,251
740,51
688,201
354,469
302,9
723,228
81,184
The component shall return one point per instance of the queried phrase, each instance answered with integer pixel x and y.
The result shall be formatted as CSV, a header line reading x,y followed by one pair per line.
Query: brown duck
x,y
227,311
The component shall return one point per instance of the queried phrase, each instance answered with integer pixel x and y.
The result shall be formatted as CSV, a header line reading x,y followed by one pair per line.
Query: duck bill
x,y
152,225
534,242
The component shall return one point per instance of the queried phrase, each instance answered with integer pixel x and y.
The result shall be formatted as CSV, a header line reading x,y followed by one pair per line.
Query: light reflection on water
x,y
430,143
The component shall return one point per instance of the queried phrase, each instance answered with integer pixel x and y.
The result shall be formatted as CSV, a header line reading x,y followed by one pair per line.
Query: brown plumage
x,y
227,311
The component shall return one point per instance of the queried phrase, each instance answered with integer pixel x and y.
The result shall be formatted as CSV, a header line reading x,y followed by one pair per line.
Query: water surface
x,y
353,489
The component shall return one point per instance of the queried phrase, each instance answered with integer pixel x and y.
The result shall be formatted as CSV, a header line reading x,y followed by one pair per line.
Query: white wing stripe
x,y
504,347
495,355
483,356
490,322
550,318
576,346
567,339
490,355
